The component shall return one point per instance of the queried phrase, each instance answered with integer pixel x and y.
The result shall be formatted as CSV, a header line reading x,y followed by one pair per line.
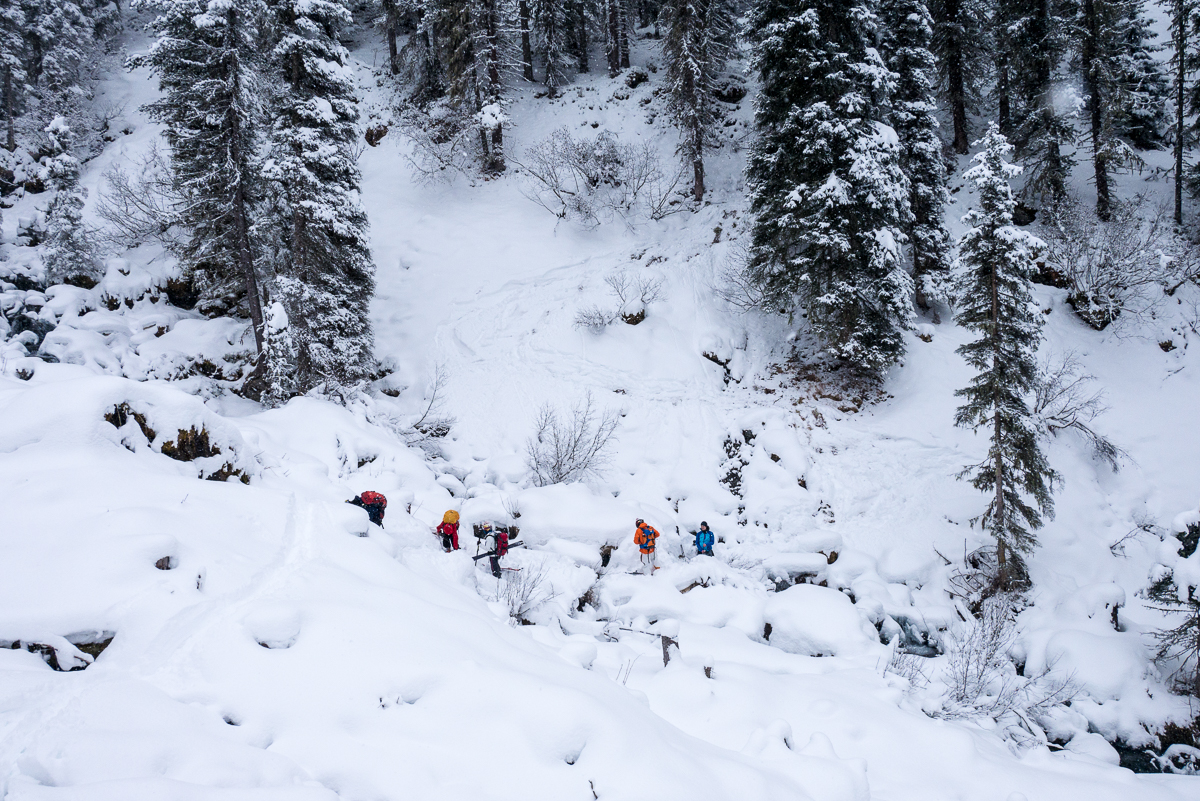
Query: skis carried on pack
x,y
511,545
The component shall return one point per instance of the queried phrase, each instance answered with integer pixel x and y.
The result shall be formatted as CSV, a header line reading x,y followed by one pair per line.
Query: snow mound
x,y
817,621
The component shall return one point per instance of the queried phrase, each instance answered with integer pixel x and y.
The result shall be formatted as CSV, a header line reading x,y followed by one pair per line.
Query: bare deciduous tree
x,y
142,206
571,447
1066,401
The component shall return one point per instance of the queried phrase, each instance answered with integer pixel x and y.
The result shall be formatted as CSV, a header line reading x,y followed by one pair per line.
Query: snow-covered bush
x,y
570,447
599,180
1115,267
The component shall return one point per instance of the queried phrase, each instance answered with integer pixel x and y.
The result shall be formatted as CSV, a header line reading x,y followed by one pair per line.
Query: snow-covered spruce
x,y
698,39
907,34
70,253
994,300
208,61
826,190
316,227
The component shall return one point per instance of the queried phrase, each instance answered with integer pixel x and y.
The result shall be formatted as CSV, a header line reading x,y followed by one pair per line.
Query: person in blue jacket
x,y
704,540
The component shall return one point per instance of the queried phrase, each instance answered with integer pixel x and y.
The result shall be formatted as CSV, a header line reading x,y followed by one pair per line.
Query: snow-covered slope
x,y
267,642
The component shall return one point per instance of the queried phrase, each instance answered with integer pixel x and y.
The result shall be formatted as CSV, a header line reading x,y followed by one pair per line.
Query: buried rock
x,y
65,654
191,445
122,413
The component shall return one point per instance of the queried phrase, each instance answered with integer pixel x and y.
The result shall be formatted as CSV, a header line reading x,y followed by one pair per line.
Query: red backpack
x,y
370,498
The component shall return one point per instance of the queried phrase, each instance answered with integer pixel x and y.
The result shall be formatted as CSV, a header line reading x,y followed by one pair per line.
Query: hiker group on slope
x,y
495,541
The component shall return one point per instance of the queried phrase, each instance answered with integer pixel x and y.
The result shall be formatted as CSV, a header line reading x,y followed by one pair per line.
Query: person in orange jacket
x,y
645,538
448,531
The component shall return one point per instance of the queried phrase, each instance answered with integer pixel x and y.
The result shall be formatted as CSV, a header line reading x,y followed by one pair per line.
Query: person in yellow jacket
x,y
645,538
448,531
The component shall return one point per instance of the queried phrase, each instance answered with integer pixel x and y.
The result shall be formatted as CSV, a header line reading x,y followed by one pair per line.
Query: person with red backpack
x,y
374,503
645,537
448,531
500,537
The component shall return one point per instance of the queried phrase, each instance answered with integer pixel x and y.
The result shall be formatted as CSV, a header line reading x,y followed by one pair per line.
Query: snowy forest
x,y
600,399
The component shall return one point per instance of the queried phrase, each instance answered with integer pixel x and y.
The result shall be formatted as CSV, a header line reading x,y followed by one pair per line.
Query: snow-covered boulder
x,y
817,621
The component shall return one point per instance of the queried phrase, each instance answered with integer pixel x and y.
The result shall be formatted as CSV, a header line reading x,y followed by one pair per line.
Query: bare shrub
x,y
433,423
524,591
1113,268
909,667
571,447
595,319
1066,401
633,293
599,180
975,671
641,290
445,139
733,283
512,507
141,206
981,678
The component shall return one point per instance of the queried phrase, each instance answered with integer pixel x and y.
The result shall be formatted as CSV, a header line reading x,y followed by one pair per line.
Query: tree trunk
x,y
492,22
1091,85
1181,23
241,213
393,51
581,23
1003,97
623,30
955,82
612,42
998,511
526,48
10,116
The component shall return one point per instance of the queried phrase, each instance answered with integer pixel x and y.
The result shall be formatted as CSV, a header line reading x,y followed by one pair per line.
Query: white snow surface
x,y
294,651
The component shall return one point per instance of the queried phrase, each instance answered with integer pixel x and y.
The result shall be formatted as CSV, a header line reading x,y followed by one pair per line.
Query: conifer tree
x,y
826,191
206,57
390,19
1176,591
324,270
12,62
63,47
581,17
418,61
1182,63
995,262
550,29
69,252
960,42
698,40
279,376
488,33
1121,83
908,30
1031,39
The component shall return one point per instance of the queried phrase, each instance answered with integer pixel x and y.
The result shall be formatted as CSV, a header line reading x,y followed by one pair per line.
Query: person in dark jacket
x,y
704,540
374,503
